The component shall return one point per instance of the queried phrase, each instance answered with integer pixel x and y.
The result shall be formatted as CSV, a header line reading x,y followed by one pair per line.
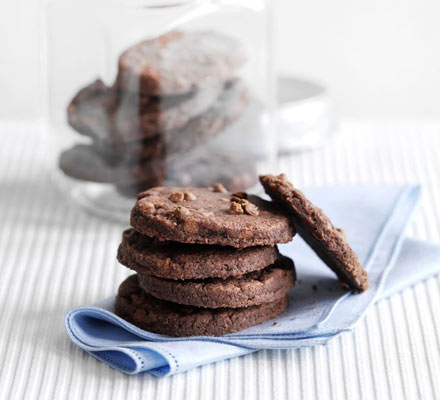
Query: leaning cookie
x,y
263,286
146,312
328,242
172,260
213,217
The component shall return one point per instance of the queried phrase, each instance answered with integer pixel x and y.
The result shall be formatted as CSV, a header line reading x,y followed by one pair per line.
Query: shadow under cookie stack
x,y
171,96
206,261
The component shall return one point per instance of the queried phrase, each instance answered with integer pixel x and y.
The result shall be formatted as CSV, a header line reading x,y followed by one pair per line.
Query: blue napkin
x,y
374,218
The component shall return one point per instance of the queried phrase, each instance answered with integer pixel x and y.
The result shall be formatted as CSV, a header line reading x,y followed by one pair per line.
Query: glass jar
x,y
152,92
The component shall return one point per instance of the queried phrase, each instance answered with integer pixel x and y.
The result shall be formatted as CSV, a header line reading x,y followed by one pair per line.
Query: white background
x,y
379,58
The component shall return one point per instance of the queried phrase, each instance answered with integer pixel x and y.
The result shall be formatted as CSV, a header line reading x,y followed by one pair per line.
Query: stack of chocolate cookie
x,y
171,95
206,261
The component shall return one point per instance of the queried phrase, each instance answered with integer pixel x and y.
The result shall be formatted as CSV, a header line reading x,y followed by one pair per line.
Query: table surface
x,y
53,257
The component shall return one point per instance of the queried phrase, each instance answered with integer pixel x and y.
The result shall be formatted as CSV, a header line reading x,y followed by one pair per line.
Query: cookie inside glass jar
x,y
155,95
172,94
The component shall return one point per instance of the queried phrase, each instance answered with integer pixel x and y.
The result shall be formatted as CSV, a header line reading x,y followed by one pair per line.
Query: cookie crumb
x,y
235,208
219,188
251,209
189,196
275,323
176,197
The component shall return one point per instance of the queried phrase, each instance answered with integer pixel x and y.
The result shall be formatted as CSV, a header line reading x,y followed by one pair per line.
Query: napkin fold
x,y
374,218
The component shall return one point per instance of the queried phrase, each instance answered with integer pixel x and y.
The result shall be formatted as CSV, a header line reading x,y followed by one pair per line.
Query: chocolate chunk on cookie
x,y
263,286
207,220
172,260
149,313
179,62
328,242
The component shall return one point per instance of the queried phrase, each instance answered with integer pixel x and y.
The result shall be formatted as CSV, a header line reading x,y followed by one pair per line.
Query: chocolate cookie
x,y
148,104
122,136
81,162
116,152
130,123
328,242
210,218
160,316
179,62
251,289
172,260
142,137
106,114
88,113
201,169
234,171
